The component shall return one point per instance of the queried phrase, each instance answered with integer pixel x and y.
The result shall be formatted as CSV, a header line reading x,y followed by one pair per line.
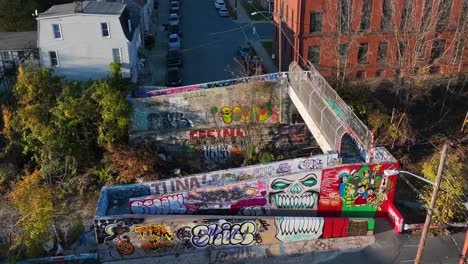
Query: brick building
x,y
374,38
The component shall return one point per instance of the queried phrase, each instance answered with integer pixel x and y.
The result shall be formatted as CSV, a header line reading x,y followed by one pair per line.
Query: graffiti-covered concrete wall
x,y
130,237
213,124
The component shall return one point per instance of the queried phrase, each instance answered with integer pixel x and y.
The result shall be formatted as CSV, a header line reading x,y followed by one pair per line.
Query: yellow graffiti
x,y
226,114
154,232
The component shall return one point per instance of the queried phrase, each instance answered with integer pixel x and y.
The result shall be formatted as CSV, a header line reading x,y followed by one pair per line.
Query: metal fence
x,y
331,114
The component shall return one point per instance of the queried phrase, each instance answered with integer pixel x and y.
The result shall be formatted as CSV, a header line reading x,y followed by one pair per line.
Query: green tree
x,y
114,110
453,188
33,200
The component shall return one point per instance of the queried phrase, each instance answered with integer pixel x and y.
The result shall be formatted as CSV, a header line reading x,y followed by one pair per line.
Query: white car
x,y
223,12
173,20
174,42
219,4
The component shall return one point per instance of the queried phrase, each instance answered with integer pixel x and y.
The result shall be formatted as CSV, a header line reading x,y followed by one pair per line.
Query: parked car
x,y
245,51
174,59
175,30
223,12
174,5
174,20
174,42
219,3
173,77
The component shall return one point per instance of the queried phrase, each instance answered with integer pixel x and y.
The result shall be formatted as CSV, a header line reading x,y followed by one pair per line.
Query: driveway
x,y
210,42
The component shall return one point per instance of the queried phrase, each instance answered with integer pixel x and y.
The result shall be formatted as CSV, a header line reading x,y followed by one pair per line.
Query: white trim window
x,y
54,60
57,30
105,32
117,55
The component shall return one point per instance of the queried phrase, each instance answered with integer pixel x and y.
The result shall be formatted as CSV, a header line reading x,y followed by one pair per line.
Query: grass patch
x,y
268,46
250,8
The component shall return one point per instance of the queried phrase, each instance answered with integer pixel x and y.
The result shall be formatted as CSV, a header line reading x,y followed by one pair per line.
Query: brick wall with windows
x,y
336,30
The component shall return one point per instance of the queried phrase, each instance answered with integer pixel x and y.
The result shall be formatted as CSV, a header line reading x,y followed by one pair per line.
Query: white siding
x,y
83,52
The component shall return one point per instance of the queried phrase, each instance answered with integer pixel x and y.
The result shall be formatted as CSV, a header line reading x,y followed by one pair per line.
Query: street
x,y
210,42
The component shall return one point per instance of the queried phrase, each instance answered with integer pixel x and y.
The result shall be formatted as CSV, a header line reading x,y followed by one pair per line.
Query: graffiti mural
x,y
289,229
167,121
300,191
216,133
246,113
127,238
356,190
234,196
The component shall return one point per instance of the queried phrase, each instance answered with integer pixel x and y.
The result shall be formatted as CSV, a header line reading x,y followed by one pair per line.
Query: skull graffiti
x,y
295,192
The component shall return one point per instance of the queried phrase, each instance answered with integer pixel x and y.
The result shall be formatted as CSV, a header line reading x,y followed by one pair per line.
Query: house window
x,y
57,31
282,8
105,30
54,62
361,74
379,73
366,15
382,51
459,49
344,11
438,48
426,16
386,15
287,13
406,15
116,55
463,15
314,54
443,14
315,22
292,17
362,53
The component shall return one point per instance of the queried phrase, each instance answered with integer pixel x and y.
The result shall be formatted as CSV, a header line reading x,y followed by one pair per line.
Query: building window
x,y
292,18
361,74
344,51
57,31
282,8
421,49
438,48
463,15
287,13
5,55
382,52
426,16
362,53
443,14
54,62
401,50
366,15
344,17
116,54
105,30
315,22
314,54
386,15
379,73
459,49
406,15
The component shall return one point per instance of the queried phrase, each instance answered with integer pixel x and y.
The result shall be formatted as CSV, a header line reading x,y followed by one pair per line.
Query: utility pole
x,y
427,224
280,54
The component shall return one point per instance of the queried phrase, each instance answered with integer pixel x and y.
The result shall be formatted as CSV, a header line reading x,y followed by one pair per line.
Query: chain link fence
x,y
331,114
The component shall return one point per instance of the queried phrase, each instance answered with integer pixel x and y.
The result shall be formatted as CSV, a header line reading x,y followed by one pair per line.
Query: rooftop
x,y
88,7
18,40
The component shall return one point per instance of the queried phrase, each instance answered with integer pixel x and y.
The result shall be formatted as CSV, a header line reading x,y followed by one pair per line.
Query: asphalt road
x,y
210,42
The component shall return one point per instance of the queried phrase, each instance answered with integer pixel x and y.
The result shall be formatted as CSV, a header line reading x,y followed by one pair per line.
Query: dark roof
x,y
134,16
18,40
88,7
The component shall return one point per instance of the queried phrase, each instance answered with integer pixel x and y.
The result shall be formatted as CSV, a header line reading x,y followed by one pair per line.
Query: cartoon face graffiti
x,y
226,114
295,192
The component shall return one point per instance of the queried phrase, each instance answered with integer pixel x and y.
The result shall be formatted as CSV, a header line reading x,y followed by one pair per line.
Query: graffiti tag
x,y
311,164
171,204
224,234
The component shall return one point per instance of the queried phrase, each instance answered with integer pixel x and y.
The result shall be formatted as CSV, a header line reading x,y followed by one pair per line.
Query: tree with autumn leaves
x,y
62,130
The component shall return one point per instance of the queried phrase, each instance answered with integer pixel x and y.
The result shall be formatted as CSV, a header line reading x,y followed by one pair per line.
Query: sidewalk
x,y
243,18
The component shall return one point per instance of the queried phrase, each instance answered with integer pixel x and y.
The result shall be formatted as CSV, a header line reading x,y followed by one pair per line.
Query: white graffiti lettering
x,y
224,234
171,204
311,164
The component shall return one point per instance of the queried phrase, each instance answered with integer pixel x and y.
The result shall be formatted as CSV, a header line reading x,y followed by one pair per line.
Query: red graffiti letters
x,y
217,133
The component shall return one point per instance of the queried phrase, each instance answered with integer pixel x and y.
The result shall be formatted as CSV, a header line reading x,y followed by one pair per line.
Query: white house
x,y
80,40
